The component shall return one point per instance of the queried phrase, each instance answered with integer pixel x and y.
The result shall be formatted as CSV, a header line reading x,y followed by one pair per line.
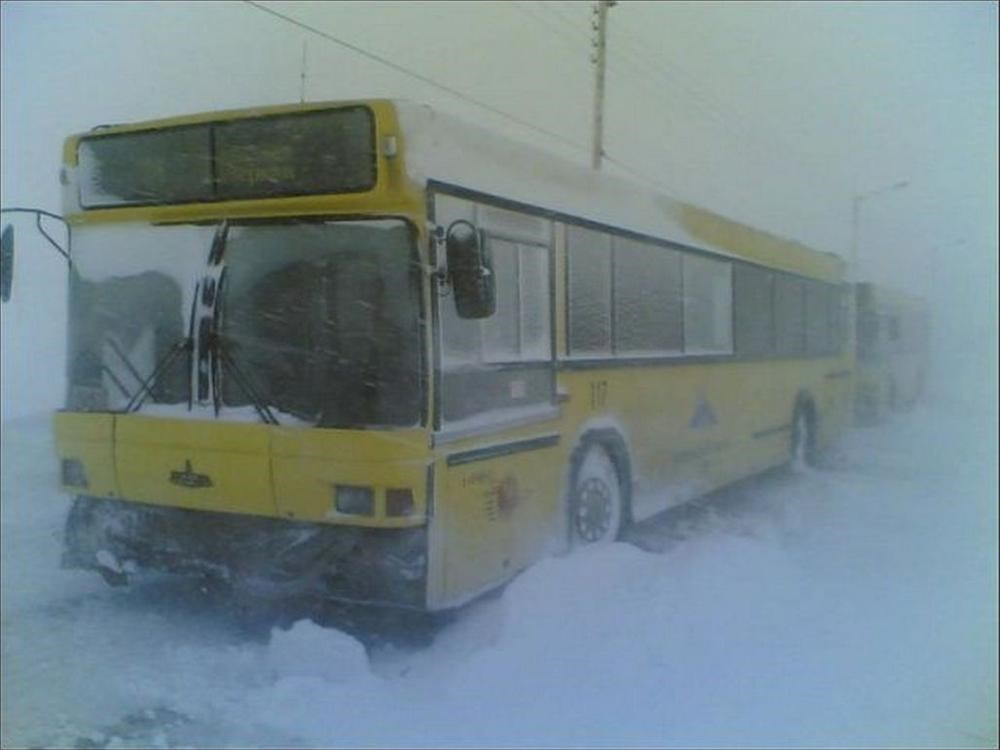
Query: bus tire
x,y
597,499
803,442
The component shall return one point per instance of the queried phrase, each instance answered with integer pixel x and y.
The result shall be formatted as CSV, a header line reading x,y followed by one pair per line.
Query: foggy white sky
x,y
773,113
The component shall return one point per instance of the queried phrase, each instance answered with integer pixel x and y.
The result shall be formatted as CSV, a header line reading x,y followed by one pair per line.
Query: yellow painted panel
x,y
309,464
692,428
497,513
758,245
87,438
216,466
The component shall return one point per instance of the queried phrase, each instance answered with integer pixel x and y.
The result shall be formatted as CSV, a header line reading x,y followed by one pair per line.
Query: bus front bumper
x,y
266,556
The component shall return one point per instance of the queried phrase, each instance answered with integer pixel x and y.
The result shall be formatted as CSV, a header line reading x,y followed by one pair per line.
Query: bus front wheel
x,y
596,509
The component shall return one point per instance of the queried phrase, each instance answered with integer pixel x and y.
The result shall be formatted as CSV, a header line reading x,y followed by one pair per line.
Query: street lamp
x,y
856,217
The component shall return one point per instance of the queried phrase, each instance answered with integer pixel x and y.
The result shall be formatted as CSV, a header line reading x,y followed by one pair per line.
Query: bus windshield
x,y
319,319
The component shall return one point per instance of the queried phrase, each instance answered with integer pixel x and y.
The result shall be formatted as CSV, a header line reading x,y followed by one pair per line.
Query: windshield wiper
x,y
126,361
219,348
181,345
145,385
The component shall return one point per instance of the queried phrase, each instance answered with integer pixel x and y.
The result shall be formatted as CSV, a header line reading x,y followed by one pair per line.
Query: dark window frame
x,y
570,361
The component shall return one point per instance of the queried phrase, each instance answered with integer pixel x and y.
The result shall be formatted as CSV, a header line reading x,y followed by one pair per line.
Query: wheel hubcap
x,y
593,515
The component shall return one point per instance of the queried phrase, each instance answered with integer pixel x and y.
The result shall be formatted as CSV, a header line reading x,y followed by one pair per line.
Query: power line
x,y
562,33
648,73
450,90
633,50
727,112
652,72
663,190
551,6
422,78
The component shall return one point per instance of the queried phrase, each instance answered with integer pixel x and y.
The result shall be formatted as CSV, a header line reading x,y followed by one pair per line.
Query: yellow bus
x,y
366,351
893,330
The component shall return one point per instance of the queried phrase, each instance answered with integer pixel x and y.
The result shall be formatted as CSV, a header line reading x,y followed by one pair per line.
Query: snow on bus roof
x,y
445,148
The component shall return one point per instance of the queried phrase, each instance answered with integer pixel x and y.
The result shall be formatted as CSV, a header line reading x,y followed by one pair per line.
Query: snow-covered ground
x,y
851,605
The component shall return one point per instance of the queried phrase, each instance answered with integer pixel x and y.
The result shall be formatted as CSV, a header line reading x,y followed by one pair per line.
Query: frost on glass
x,y
160,166
753,316
499,367
320,320
648,310
589,271
789,312
315,152
130,294
707,305
327,151
520,329
535,303
514,225
323,316
501,338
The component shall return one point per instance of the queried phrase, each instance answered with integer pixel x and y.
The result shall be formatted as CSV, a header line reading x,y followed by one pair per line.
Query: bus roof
x,y
444,148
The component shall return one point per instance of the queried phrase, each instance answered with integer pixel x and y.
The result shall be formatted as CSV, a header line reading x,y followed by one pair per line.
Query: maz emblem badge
x,y
190,479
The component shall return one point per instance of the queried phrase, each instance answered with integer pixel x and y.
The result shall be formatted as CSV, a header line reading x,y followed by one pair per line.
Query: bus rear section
x,y
893,330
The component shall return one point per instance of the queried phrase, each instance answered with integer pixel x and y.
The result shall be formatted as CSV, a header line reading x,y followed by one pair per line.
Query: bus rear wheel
x,y
596,507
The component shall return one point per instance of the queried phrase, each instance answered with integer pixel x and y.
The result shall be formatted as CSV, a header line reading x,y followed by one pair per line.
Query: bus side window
x,y
789,313
707,305
589,292
753,289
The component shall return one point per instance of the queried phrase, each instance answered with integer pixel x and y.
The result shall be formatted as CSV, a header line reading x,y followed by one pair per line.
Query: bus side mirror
x,y
6,261
470,269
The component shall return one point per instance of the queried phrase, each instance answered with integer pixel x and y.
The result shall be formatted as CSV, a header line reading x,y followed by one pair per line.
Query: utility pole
x,y
600,26
302,88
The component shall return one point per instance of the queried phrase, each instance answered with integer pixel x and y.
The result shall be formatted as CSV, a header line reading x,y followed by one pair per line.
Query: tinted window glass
x,y
789,311
838,318
753,310
818,338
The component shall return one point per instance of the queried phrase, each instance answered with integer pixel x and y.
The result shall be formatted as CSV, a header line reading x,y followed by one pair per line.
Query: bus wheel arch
x,y
586,478
805,430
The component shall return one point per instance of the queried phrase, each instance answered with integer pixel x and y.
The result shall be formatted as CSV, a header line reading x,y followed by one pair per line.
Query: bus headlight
x,y
399,502
355,501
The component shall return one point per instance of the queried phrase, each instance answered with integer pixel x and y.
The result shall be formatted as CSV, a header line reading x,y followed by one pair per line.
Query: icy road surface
x,y
851,605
